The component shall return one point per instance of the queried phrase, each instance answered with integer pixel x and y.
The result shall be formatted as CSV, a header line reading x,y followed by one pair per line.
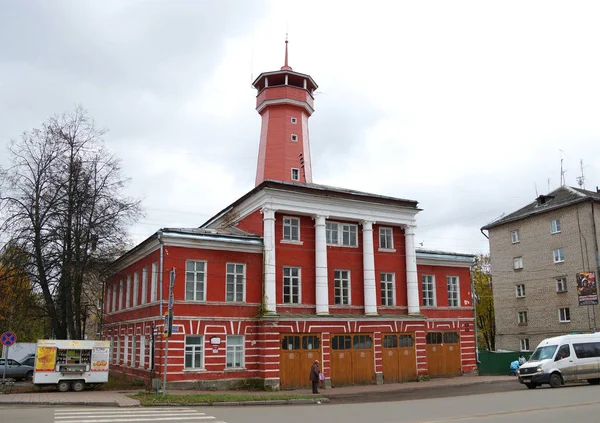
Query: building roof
x,y
561,197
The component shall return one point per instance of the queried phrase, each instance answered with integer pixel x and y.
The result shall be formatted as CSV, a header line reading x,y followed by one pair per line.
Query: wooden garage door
x,y
297,355
399,361
443,354
352,359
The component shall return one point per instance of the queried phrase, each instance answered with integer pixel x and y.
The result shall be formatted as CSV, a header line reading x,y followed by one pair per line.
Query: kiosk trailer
x,y
71,364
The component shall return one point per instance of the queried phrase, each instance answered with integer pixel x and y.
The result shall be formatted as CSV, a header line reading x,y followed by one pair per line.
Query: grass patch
x,y
153,399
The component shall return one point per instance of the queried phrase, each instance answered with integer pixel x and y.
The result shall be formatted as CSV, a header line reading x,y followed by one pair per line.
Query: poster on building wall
x,y
587,292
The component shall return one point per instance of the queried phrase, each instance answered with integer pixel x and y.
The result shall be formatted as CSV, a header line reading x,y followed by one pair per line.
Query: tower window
x,y
294,121
295,174
294,137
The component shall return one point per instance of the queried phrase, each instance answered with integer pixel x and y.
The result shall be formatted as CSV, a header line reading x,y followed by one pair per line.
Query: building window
x,y
555,226
387,289
291,285
386,241
121,294
295,174
108,297
125,350
518,263
144,285
514,236
520,289
114,297
341,283
522,317
294,137
117,359
236,277
559,255
136,287
291,229
561,285
194,349
142,362
452,283
564,315
294,120
133,350
195,276
235,352
341,234
154,283
428,282
524,344
128,292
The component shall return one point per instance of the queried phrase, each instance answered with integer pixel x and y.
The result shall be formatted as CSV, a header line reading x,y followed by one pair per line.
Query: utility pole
x,y
168,329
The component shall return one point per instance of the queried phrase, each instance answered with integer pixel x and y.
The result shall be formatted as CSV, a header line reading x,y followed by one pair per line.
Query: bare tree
x,y
63,203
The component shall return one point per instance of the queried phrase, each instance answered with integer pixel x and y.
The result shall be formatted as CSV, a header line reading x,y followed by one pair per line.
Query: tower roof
x,y
285,63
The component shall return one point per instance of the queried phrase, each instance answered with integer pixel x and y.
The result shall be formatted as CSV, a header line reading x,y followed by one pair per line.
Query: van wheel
x,y
555,380
593,381
78,386
63,386
531,385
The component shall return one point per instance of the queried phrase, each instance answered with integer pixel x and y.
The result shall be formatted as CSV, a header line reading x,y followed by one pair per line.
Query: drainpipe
x,y
596,252
473,297
160,277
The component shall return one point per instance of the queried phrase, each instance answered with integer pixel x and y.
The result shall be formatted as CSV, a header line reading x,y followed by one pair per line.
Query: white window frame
x,y
118,356
136,287
386,238
295,174
294,138
195,273
564,314
339,279
522,317
453,288
234,274
428,295
121,294
558,255
515,236
235,350
520,290
114,297
561,282
193,349
288,222
125,350
133,350
108,298
154,283
144,298
294,120
128,292
387,283
341,228
524,344
555,226
518,263
142,363
290,280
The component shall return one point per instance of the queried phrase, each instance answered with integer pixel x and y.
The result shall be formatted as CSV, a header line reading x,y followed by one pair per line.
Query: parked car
x,y
29,360
15,370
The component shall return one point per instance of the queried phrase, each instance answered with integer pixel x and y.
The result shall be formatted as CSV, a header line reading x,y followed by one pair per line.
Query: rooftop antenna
x,y
581,179
548,185
536,193
562,171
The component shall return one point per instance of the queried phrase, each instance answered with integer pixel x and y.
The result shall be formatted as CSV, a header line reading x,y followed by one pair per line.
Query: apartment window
x,y
561,285
387,289
121,295
236,277
294,120
291,285
128,292
295,174
428,283
559,255
294,137
142,362
341,283
518,263
194,352
133,350
195,276
291,229
154,283
555,226
520,289
522,317
564,315
452,283
341,234
235,352
136,287
126,350
386,240
331,233
514,236
114,297
144,285
117,359
524,344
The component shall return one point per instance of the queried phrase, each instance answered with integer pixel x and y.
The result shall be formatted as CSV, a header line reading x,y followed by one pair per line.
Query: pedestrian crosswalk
x,y
139,415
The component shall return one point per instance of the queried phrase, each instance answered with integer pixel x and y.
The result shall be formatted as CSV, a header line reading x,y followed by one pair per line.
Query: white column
x,y
412,283
269,300
370,287
321,286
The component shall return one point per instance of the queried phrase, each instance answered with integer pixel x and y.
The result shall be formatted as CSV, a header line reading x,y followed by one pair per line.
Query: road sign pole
x,y
5,355
167,331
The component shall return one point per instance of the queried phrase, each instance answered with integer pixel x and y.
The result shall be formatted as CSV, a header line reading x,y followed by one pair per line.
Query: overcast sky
x,y
466,107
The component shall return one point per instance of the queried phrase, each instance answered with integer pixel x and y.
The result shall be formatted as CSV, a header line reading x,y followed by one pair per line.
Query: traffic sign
x,y
8,339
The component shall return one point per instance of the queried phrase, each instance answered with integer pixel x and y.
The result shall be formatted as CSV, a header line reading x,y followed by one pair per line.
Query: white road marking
x,y
119,415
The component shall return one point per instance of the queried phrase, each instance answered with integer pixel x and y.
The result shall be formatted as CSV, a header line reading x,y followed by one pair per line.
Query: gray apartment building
x,y
540,256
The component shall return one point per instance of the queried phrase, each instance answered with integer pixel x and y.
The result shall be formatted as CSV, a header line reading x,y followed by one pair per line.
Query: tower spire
x,y
285,64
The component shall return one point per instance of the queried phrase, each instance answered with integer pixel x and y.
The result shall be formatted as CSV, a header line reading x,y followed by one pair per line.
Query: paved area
x,y
119,398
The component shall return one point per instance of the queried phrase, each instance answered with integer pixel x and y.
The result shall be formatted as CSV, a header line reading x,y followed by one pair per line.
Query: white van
x,y
567,358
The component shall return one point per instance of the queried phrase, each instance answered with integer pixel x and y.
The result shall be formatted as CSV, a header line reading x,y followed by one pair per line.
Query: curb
x,y
299,401
68,403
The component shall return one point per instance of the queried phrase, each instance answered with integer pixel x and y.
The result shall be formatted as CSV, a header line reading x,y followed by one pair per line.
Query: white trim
x,y
136,288
234,301
297,171
243,360
561,255
303,104
515,239
552,226
390,247
154,282
204,283
294,137
144,299
294,120
519,294
128,292
518,263
290,218
393,282
525,315
299,286
560,318
340,234
565,286
341,288
202,345
457,291
434,291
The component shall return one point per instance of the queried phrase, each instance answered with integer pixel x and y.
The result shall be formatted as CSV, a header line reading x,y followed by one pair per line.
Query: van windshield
x,y
543,353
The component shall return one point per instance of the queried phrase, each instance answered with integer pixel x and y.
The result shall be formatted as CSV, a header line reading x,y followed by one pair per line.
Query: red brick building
x,y
292,272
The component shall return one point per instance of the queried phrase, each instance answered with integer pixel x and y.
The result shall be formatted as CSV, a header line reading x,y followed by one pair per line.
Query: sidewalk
x,y
120,399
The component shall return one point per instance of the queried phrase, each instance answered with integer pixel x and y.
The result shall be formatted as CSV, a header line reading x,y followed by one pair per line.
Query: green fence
x,y
497,363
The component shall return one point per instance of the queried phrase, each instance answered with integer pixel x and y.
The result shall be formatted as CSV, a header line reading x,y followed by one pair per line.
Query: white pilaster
x,y
321,286
412,283
370,287
269,300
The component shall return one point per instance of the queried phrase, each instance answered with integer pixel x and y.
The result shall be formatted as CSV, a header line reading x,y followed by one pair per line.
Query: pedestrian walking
x,y
314,377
